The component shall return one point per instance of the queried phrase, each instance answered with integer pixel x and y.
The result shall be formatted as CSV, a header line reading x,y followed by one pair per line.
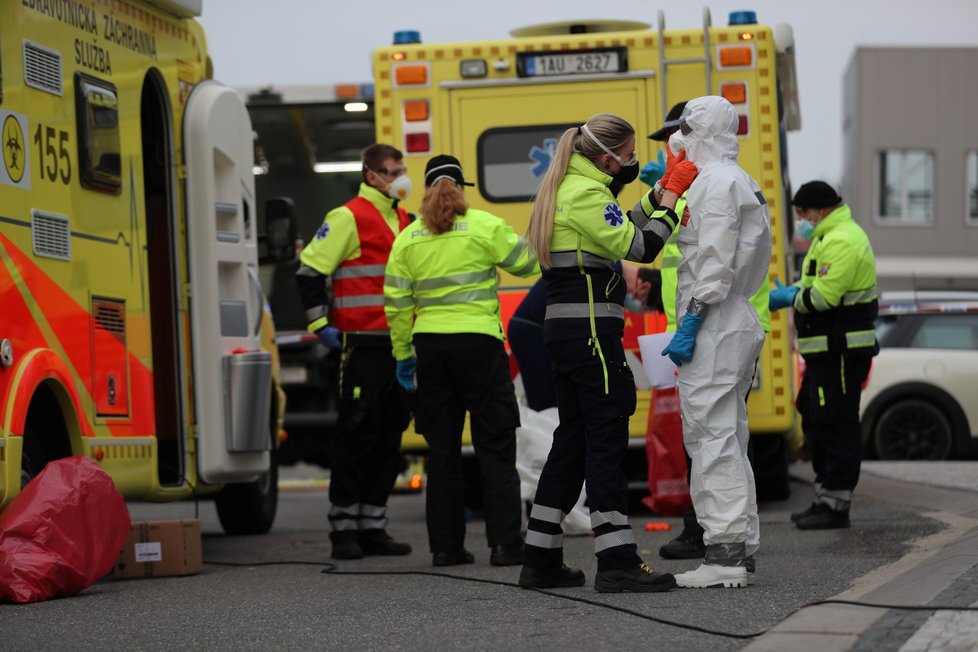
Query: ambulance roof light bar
x,y
407,37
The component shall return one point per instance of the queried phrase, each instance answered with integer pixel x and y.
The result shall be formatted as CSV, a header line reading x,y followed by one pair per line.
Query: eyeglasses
x,y
394,172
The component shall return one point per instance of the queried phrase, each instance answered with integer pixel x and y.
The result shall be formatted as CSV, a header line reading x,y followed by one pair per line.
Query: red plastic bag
x,y
62,533
668,485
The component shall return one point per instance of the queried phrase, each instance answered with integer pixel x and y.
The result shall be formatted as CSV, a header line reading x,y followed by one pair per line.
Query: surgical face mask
x,y
400,188
627,173
804,229
632,304
677,143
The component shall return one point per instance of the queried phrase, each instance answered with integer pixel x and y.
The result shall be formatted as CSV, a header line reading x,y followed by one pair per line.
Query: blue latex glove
x,y
653,170
405,374
680,348
330,337
782,296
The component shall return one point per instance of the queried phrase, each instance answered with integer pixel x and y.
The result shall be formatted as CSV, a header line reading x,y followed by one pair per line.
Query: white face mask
x,y
677,143
400,188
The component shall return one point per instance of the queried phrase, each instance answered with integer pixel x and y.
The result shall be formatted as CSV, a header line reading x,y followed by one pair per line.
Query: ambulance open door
x,y
232,375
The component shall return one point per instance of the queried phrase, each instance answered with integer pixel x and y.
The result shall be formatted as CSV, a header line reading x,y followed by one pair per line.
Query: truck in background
x,y
134,331
500,106
307,144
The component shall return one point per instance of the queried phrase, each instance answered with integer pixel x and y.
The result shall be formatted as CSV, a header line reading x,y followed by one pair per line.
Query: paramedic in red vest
x,y
347,312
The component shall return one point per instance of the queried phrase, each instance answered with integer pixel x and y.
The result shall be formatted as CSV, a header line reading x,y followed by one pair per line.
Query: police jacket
x,y
351,247
837,304
585,294
446,283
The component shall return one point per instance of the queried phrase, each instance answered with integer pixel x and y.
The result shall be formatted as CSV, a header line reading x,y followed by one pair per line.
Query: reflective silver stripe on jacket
x,y
515,254
359,301
399,302
305,270
859,296
614,518
359,271
465,296
613,539
398,282
671,261
659,227
569,259
820,343
636,251
583,311
452,280
818,301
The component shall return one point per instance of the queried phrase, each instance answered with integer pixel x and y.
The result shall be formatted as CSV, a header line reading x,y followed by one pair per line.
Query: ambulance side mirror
x,y
278,242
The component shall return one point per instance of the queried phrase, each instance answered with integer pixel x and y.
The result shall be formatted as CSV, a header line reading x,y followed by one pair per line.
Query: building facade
x,y
910,162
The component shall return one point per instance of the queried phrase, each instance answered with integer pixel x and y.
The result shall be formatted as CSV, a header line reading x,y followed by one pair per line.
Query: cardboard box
x,y
161,549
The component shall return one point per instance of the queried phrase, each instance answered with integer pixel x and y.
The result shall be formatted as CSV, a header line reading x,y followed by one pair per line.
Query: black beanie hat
x,y
816,194
444,165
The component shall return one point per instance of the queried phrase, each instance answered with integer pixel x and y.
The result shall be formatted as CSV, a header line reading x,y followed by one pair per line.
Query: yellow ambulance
x,y
500,106
134,329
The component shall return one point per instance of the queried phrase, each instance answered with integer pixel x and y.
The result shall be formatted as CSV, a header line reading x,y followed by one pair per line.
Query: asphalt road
x,y
293,606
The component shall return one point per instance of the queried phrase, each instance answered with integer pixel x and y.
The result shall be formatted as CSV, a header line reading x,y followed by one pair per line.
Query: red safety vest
x,y
358,284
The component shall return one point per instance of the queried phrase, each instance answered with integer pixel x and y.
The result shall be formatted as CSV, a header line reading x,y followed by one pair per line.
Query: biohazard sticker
x,y
613,215
16,154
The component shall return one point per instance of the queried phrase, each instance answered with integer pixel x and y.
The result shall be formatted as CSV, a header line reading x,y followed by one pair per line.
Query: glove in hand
x,y
330,337
680,348
682,177
671,166
653,170
782,296
405,374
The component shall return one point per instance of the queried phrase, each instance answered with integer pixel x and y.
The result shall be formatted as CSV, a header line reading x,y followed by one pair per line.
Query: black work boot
x,y
506,555
635,579
561,577
378,542
689,543
823,517
803,513
345,545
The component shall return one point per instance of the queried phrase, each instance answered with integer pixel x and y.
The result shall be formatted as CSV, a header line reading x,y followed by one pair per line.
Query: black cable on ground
x,y
332,569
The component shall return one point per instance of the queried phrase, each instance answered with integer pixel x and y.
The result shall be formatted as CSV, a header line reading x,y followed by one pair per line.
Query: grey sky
x,y
256,42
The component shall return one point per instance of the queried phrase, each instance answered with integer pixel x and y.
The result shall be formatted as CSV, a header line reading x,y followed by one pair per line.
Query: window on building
x,y
971,188
905,180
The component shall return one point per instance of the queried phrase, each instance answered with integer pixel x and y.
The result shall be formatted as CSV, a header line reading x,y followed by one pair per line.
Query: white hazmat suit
x,y
725,240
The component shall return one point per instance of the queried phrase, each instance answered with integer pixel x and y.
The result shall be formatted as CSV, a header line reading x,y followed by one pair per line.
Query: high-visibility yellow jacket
x,y
837,304
585,294
446,283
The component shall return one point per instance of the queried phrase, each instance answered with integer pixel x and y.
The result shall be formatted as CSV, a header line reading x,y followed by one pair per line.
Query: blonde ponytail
x,y
613,131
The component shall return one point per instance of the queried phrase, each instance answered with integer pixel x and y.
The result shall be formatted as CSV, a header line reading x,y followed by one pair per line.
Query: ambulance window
x,y
513,160
97,115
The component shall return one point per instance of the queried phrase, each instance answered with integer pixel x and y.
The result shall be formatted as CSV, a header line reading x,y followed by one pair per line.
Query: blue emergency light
x,y
407,37
742,18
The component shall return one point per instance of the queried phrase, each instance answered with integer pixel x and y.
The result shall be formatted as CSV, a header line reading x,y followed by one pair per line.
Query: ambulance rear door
x,y
231,374
509,130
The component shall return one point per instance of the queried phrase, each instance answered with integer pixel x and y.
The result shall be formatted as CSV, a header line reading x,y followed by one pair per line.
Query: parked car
x,y
921,399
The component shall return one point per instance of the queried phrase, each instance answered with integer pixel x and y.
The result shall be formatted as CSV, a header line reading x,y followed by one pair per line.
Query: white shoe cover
x,y
709,576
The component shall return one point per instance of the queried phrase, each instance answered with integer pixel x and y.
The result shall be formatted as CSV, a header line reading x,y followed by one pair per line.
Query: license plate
x,y
572,63
293,375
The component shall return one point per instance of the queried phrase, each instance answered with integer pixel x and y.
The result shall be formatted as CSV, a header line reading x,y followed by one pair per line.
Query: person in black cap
x,y
653,170
440,292
835,306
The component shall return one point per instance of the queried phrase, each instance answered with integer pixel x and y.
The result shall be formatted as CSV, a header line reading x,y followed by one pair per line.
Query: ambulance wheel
x,y
249,507
771,467
32,458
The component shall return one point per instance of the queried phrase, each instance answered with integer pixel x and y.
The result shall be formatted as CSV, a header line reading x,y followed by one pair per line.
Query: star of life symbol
x,y
613,215
322,231
542,156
